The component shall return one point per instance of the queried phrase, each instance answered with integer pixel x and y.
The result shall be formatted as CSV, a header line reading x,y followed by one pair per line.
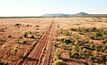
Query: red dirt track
x,y
42,51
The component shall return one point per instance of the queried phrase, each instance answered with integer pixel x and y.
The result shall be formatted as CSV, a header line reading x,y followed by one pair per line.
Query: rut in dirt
x,y
39,54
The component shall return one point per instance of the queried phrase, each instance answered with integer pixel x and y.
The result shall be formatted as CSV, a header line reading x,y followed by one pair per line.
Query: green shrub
x,y
9,36
105,41
74,50
66,40
90,63
37,26
59,62
97,36
2,30
18,25
25,35
66,32
21,41
14,51
57,54
3,62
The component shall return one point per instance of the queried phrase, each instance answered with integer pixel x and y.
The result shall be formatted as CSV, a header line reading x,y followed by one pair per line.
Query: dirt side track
x,y
36,55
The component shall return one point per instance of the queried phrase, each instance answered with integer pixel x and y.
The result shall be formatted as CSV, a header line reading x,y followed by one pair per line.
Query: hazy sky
x,y
39,7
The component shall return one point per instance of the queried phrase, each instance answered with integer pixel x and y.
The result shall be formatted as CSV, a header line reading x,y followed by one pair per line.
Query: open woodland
x,y
53,41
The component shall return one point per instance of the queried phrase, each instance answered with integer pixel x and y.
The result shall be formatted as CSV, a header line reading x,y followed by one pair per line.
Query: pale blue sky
x,y
39,7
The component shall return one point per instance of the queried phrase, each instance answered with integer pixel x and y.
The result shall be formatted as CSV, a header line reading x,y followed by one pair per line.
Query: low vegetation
x,y
57,58
84,49
14,50
2,29
59,62
28,37
22,25
93,33
2,62
57,54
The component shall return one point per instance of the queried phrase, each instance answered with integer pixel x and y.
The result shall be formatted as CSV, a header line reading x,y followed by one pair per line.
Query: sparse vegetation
x,y
59,62
93,33
14,50
2,30
28,37
84,48
57,54
18,25
64,32
22,25
2,62
9,36
85,43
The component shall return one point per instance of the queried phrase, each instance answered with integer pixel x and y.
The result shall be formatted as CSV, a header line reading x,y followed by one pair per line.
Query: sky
x,y
40,7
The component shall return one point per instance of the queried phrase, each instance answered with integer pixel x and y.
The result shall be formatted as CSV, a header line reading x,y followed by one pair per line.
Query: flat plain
x,y
53,41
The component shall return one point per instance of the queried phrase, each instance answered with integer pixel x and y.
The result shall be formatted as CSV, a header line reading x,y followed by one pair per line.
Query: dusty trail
x,y
42,51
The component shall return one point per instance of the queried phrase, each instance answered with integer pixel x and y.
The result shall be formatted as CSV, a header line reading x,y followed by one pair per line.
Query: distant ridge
x,y
78,14
81,14
59,14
